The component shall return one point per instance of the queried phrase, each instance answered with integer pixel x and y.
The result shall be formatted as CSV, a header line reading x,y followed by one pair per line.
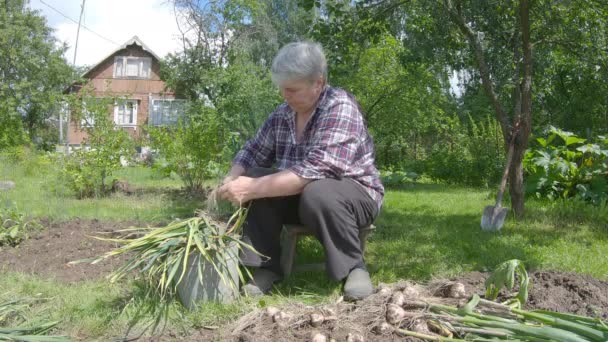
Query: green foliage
x,y
33,74
16,154
13,311
246,96
572,74
402,119
565,165
194,148
30,161
15,227
467,154
504,276
397,178
88,171
162,255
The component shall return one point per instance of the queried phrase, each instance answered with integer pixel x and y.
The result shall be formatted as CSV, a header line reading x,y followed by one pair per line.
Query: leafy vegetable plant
x,y
565,165
14,227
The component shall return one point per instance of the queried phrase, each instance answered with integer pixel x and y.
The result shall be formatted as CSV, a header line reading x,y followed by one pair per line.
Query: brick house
x,y
130,73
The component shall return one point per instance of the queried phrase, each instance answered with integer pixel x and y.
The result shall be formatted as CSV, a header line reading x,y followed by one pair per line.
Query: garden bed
x,y
48,253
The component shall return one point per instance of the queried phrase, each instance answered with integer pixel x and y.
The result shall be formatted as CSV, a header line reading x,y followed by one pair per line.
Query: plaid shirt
x,y
335,143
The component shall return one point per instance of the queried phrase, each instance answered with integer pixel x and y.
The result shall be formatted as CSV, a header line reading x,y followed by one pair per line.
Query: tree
x,y
491,45
228,48
516,128
571,54
502,37
33,74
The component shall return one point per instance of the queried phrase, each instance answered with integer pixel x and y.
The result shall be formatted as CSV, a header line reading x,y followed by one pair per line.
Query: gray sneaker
x,y
358,285
261,283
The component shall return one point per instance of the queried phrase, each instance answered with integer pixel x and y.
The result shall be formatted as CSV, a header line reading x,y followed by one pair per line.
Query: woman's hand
x,y
239,190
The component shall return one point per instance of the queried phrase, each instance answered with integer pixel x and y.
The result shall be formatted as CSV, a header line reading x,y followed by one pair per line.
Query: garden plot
x,y
47,255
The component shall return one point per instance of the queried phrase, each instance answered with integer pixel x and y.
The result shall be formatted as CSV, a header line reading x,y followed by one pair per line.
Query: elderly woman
x,y
325,176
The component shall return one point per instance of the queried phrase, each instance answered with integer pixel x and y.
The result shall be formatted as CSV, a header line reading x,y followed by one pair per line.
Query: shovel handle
x,y
505,174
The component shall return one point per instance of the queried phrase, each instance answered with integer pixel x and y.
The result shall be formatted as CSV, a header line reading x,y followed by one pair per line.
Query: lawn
x,y
41,193
425,231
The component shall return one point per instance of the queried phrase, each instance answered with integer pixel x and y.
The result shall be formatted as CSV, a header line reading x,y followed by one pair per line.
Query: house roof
x,y
134,40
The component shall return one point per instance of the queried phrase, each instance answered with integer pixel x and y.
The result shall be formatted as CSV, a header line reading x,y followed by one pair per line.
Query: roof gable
x,y
133,41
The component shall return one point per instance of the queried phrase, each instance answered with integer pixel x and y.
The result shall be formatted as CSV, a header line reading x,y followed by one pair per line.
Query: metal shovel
x,y
494,215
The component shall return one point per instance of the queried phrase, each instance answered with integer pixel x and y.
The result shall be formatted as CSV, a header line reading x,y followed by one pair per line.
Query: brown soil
x,y
48,253
556,291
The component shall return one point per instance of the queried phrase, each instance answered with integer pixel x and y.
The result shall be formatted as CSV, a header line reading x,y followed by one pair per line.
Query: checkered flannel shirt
x,y
335,143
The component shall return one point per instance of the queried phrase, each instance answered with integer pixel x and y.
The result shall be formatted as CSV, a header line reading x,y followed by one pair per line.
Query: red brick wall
x,y
104,85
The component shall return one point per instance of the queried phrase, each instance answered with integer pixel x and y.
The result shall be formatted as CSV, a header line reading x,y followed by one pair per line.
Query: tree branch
x,y
472,36
526,108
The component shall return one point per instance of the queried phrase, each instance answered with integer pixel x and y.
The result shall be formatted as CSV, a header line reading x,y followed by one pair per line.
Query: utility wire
x,y
76,22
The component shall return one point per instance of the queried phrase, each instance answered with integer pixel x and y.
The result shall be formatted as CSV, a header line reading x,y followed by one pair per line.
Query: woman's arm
x,y
244,189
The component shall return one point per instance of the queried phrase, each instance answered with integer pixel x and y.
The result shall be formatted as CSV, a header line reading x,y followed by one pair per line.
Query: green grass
x,y
40,193
430,231
101,311
425,231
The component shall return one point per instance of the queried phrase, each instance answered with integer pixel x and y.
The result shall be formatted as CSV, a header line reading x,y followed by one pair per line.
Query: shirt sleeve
x,y
259,151
334,142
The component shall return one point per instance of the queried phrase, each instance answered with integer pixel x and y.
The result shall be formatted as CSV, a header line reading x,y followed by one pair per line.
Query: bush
x,y
194,149
565,165
470,155
397,178
16,154
29,161
88,170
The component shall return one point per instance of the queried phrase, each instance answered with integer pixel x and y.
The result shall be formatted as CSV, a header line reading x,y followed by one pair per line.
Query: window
x,y
90,109
88,119
137,67
166,112
125,113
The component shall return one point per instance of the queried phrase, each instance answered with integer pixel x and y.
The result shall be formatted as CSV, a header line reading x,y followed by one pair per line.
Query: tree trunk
x,y
516,176
520,124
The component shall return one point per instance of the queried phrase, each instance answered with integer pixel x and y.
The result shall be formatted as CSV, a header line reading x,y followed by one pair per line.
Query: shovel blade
x,y
493,218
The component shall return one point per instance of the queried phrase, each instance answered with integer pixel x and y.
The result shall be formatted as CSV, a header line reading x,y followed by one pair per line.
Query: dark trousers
x,y
336,209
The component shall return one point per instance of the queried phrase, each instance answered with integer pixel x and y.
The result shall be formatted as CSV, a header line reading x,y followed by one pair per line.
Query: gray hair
x,y
299,61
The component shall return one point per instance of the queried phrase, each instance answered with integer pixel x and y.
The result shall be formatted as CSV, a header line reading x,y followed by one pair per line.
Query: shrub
x,y
27,160
565,165
88,170
194,149
470,155
397,178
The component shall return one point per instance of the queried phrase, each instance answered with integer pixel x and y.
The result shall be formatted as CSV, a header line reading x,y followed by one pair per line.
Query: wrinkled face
x,y
301,95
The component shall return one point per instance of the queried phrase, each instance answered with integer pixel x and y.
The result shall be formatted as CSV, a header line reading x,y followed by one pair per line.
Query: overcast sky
x,y
116,21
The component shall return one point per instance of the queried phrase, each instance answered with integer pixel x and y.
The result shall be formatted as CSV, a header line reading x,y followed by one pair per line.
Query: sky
x,y
111,23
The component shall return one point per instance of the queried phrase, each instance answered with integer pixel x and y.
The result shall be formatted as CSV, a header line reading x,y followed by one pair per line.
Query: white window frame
x,y
154,101
124,103
88,119
143,64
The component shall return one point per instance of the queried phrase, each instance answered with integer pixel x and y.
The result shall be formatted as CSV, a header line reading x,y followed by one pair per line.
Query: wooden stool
x,y
289,239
